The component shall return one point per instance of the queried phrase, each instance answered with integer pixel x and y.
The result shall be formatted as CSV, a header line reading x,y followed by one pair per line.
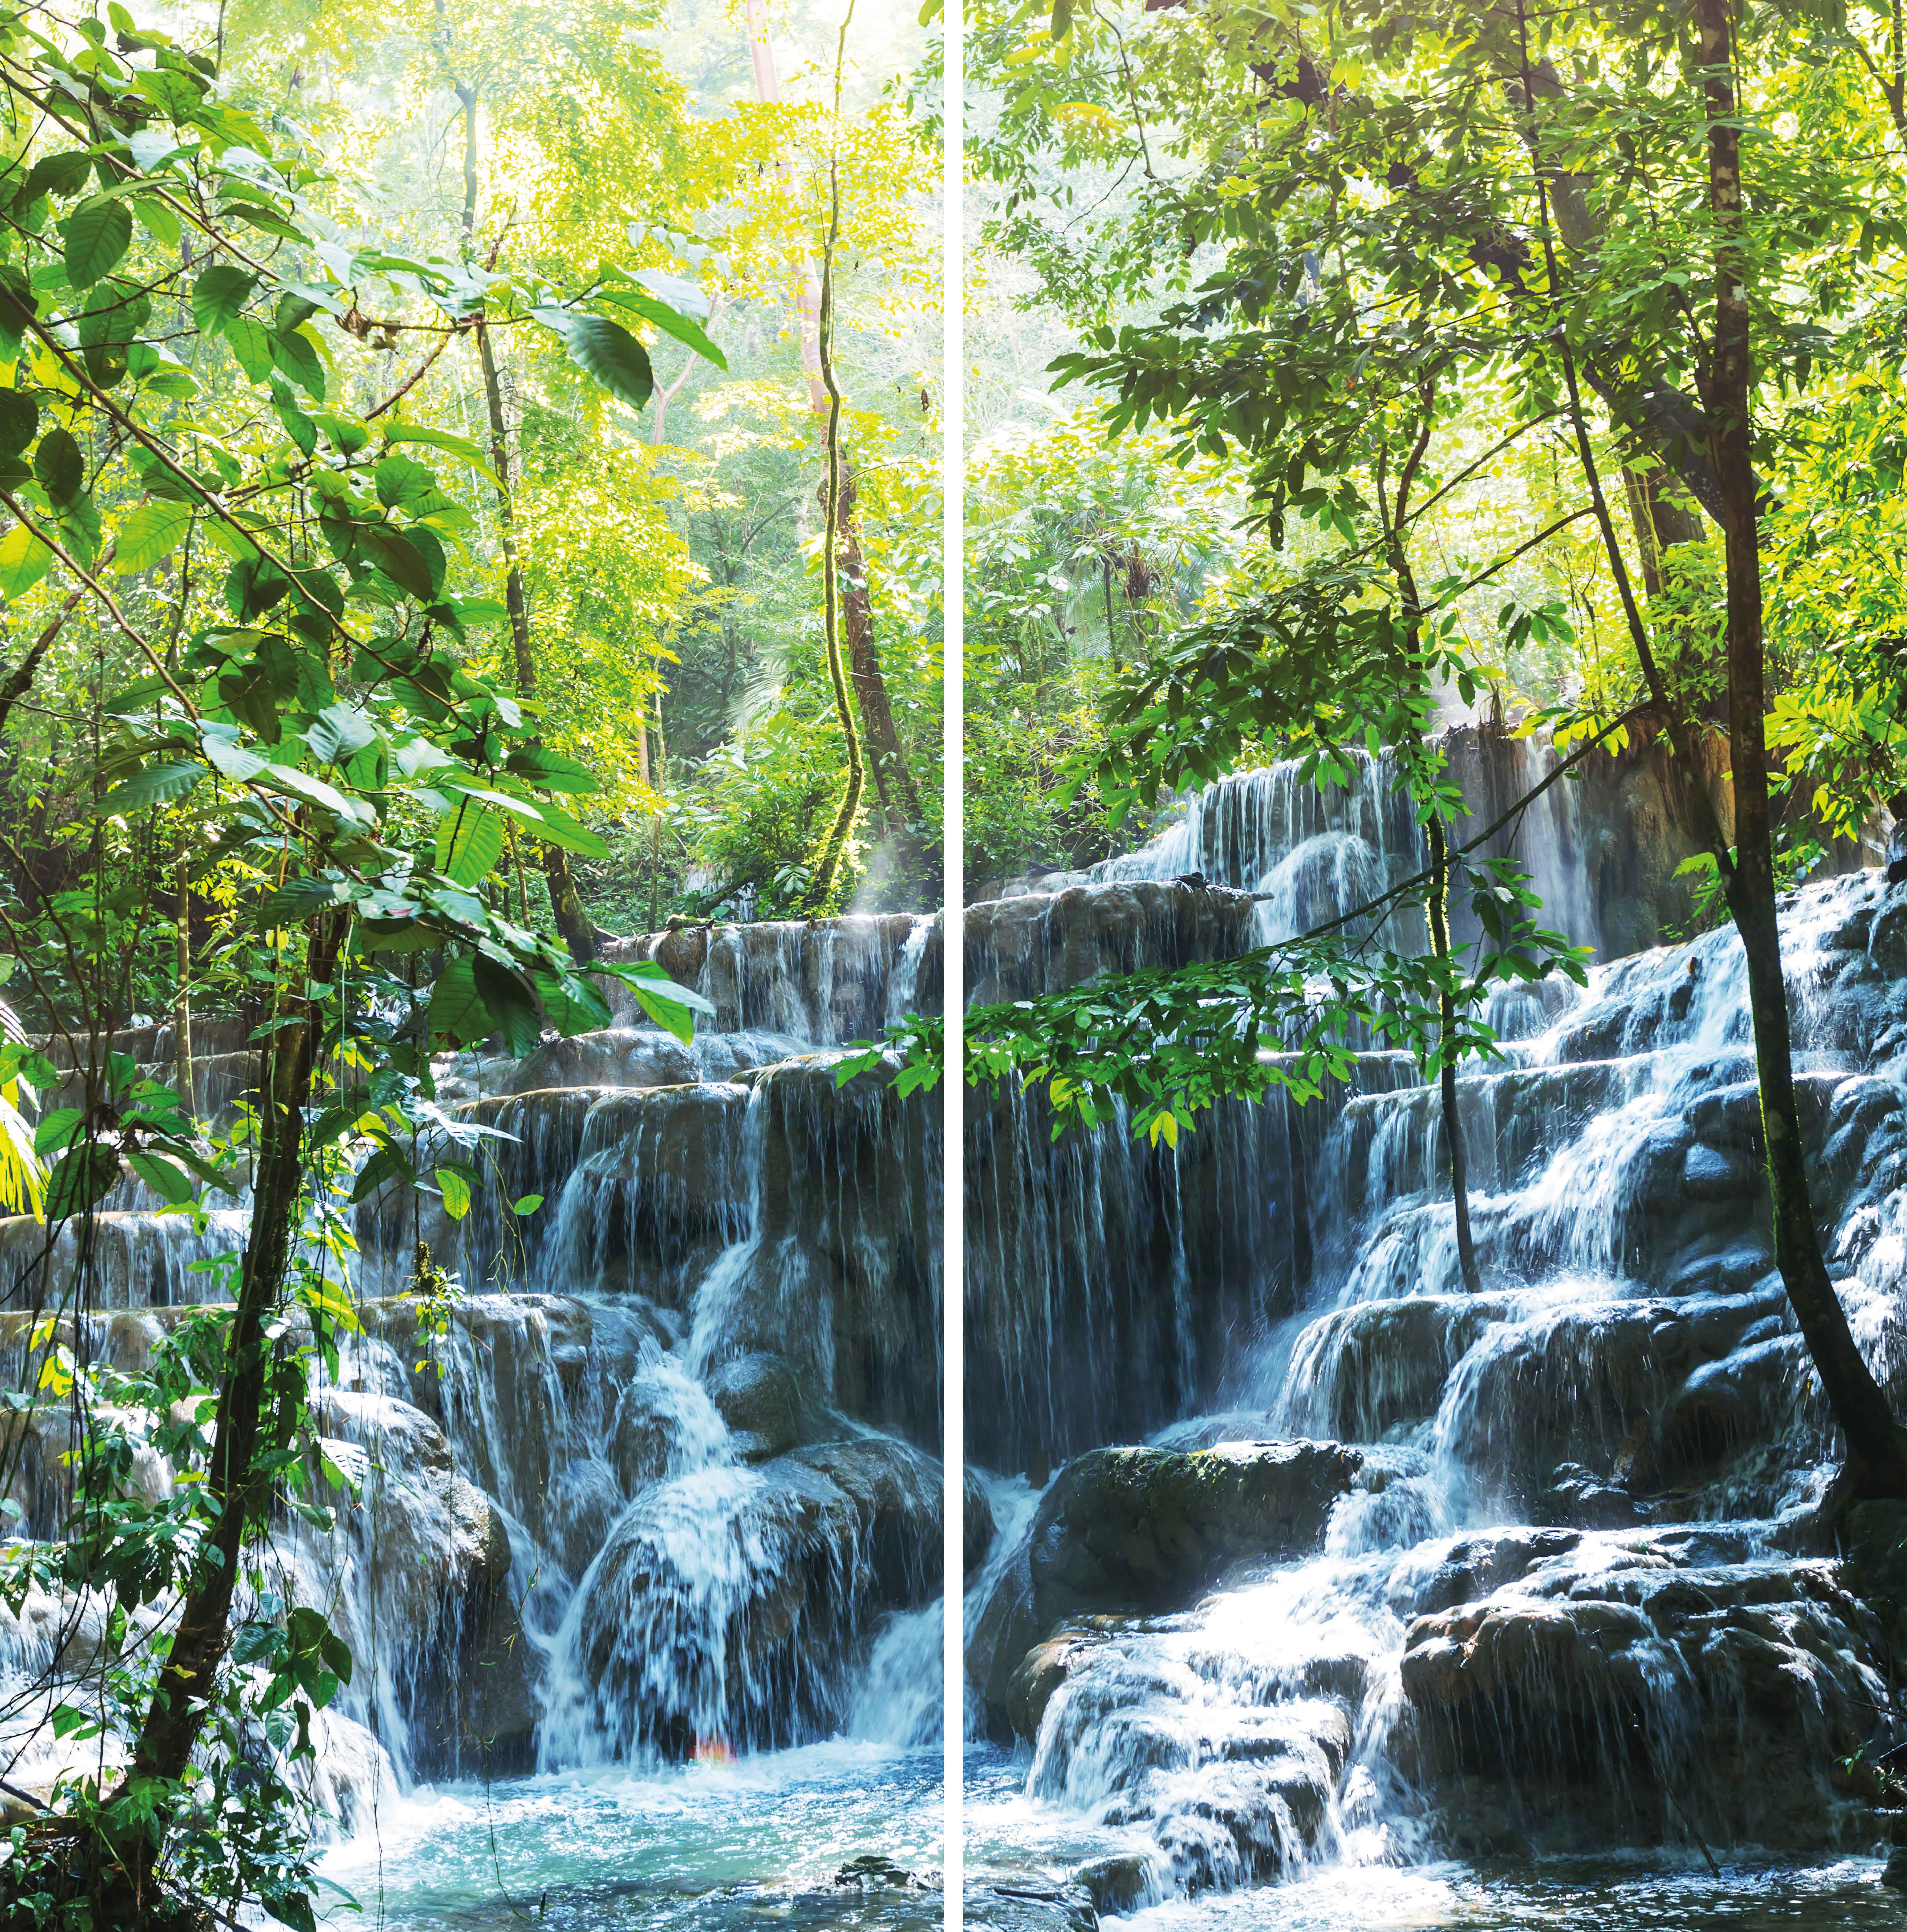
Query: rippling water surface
x,y
1010,1838
760,1842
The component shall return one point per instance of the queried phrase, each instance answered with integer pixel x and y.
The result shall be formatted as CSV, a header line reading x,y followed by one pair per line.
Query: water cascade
x,y
1322,1585
647,1513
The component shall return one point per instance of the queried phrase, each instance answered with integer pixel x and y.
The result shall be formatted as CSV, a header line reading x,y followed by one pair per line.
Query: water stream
x,y
1408,1587
641,1574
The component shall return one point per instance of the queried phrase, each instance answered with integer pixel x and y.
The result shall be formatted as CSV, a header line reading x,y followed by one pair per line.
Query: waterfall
x,y
657,1487
1559,1592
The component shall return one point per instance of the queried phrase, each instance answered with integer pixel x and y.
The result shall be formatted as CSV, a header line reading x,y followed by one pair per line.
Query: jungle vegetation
x,y
421,434
1420,361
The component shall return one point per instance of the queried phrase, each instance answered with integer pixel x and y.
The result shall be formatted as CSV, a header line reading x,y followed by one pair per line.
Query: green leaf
x,y
59,466
231,760
605,351
171,1184
98,233
295,901
550,771
149,532
251,343
458,1015
671,1006
1062,19
19,417
573,1004
295,354
443,439
219,295
56,174
654,309
156,782
80,1181
469,842
555,827
509,1005
55,1129
456,1191
24,560
528,1204
398,558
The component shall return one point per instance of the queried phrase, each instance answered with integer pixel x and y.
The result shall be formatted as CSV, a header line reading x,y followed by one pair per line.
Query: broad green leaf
x,y
664,316
54,1129
573,1004
456,1193
605,351
398,558
555,827
295,354
56,174
527,1205
251,343
80,1180
19,417
156,782
149,532
221,293
59,466
510,1004
550,770
443,439
98,233
671,1006
469,842
232,760
24,560
458,1015
171,1183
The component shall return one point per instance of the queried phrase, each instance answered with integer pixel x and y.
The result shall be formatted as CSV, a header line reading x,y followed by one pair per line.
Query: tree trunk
x,y
573,921
894,784
1877,1445
177,1714
182,996
1440,944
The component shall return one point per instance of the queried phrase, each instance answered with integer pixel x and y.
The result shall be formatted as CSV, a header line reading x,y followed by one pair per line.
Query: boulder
x,y
1149,1530
761,1398
1620,1688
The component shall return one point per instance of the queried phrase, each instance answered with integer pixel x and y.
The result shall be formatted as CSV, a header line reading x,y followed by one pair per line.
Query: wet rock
x,y
1041,1673
1119,1883
761,1398
1147,1530
1722,1700
978,1528
728,1600
1583,1500
419,1569
874,1869
1439,1576
1028,1905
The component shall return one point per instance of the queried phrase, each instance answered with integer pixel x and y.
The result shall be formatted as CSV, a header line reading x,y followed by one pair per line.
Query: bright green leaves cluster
x,y
1164,1044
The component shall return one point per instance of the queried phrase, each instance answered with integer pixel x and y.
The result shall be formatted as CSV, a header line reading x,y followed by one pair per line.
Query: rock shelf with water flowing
x,y
665,1489
1340,1568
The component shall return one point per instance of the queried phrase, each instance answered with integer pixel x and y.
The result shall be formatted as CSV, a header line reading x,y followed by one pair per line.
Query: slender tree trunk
x,y
1877,1445
182,998
177,1714
894,784
1440,944
822,887
573,921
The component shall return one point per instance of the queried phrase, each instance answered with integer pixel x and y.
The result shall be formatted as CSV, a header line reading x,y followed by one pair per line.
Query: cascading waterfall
x,y
658,1489
1557,1590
